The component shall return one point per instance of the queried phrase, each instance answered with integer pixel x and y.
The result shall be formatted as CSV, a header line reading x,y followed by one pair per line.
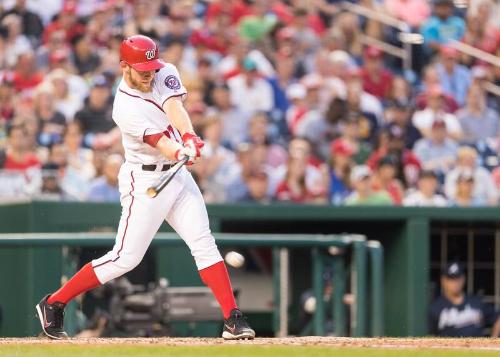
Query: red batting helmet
x,y
141,53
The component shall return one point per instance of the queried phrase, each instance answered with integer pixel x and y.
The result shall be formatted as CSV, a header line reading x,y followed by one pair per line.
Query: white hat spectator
x,y
339,56
360,172
296,91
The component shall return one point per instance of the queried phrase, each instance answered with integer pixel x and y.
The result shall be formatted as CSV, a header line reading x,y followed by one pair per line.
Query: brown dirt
x,y
382,342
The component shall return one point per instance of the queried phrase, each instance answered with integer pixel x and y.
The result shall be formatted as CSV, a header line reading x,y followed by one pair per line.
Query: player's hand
x,y
193,142
186,151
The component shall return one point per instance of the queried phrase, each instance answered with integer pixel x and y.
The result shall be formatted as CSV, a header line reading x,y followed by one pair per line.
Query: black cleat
x,y
236,327
51,318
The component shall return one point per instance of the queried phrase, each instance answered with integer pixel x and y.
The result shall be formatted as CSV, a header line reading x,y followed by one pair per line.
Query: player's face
x,y
141,81
453,286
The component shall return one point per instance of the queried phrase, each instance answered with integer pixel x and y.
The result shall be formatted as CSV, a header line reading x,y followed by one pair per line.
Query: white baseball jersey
x,y
181,204
138,114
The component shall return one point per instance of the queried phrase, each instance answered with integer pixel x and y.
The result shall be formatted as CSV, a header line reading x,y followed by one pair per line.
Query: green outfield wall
x,y
405,234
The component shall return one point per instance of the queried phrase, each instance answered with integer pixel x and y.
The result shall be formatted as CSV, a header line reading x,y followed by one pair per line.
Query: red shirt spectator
x,y
66,21
25,76
18,158
235,8
285,192
28,160
376,80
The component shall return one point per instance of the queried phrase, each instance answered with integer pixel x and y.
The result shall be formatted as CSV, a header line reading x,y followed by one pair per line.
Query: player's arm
x,y
169,148
174,108
177,114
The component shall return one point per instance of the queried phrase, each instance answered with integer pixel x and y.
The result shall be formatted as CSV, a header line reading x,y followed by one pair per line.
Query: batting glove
x,y
193,142
187,151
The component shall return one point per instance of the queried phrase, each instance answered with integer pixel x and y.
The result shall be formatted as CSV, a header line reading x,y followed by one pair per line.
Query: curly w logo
x,y
150,54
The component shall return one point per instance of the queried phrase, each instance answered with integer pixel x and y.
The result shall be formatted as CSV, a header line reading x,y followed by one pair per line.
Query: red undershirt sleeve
x,y
152,139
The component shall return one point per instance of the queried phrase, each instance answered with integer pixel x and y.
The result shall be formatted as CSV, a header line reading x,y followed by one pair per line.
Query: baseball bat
x,y
154,190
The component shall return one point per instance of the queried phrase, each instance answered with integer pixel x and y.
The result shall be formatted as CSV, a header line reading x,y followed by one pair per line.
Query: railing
x,y
357,256
482,56
406,36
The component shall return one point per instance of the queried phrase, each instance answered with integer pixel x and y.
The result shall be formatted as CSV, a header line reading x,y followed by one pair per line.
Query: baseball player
x,y
156,133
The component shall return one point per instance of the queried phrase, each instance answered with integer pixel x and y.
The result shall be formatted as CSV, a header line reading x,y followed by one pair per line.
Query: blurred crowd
x,y
292,103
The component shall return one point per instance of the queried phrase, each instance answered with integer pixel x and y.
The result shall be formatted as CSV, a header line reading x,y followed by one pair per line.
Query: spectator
x,y
95,116
351,131
442,26
391,143
437,152
7,105
31,23
297,110
66,101
213,171
54,171
455,314
18,155
426,194
455,78
51,123
431,80
363,194
105,188
258,135
84,58
401,91
249,92
477,120
480,32
322,129
293,188
26,76
413,12
464,195
348,25
424,119
79,159
361,101
398,115
258,187
16,43
66,21
483,186
376,79
340,170
235,183
234,121
258,24
384,179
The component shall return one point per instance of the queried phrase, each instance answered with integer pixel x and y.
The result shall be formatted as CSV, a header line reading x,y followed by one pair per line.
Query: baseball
x,y
235,259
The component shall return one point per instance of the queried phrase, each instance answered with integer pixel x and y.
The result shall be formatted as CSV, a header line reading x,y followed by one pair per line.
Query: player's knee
x,y
128,262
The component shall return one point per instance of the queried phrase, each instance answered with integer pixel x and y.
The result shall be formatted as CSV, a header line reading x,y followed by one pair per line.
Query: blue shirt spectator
x,y
102,191
105,187
442,27
455,78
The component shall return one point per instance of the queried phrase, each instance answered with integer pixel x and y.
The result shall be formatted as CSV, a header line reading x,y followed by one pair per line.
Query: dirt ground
x,y
382,342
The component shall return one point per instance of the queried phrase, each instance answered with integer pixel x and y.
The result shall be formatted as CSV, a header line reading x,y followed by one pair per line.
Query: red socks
x,y
217,279
81,282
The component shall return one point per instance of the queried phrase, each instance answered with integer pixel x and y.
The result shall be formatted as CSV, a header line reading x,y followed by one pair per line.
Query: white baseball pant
x,y
180,204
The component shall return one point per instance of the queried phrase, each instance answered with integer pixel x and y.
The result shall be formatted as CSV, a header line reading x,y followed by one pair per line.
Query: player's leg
x,y
140,220
188,216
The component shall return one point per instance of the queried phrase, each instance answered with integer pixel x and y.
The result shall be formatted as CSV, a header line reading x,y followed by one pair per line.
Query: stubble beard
x,y
141,86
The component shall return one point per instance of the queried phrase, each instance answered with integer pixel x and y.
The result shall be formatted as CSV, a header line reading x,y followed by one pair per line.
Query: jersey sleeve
x,y
168,82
